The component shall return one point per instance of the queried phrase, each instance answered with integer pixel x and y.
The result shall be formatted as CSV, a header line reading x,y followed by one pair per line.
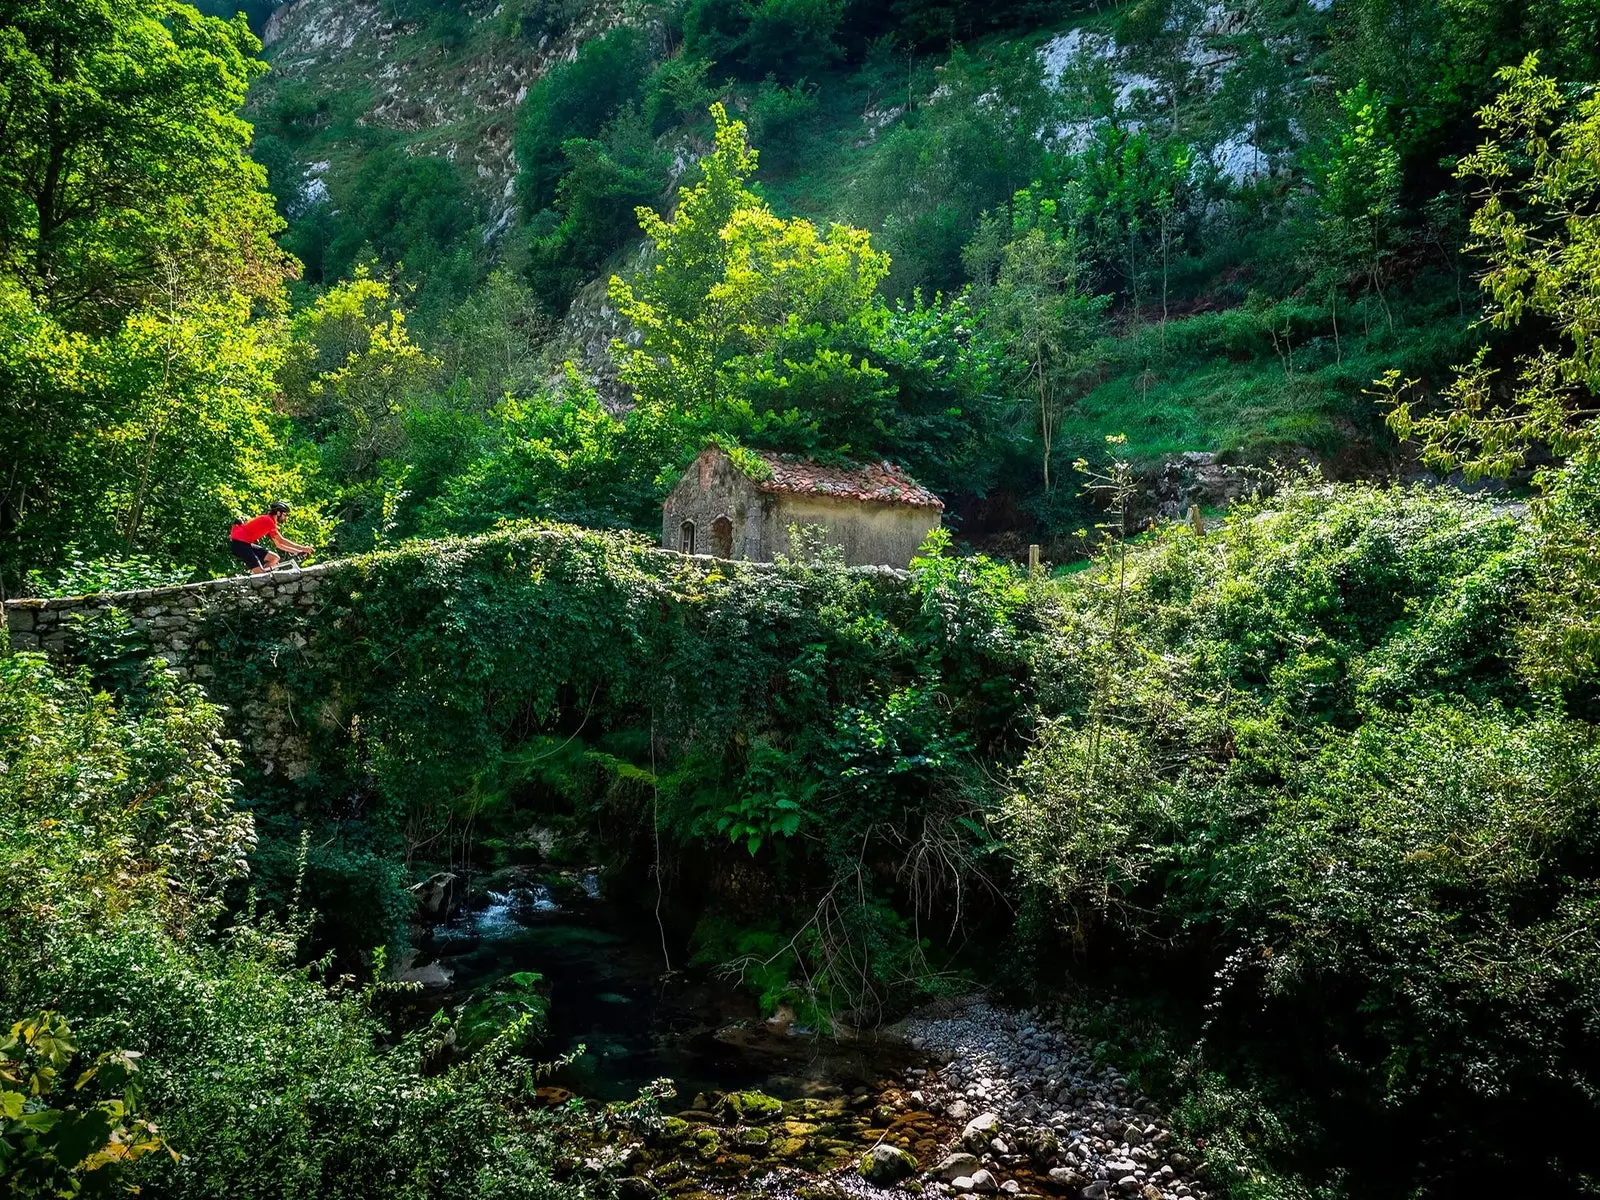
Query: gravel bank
x,y
1036,1115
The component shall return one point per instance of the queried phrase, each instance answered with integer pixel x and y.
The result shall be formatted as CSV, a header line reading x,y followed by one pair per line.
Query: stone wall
x,y
176,622
172,618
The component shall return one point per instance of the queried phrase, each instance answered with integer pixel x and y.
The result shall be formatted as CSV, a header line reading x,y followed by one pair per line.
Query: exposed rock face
x,y
461,101
1194,478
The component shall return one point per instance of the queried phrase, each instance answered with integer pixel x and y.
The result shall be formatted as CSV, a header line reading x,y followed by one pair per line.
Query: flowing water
x,y
609,991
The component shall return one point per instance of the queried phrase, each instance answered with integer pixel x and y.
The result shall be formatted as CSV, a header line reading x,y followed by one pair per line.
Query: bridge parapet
x,y
171,618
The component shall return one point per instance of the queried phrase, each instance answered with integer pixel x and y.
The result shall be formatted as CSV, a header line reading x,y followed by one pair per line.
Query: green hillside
x,y
1263,197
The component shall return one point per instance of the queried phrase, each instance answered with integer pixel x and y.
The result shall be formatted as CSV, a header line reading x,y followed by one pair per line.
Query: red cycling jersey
x,y
252,531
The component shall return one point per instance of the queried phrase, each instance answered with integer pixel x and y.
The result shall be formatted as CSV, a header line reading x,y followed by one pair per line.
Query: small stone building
x,y
878,515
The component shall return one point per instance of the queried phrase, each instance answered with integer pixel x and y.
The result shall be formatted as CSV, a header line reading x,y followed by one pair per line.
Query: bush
x,y
1296,750
117,836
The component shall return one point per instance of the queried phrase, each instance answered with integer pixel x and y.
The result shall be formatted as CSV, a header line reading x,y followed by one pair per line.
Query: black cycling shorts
x,y
251,555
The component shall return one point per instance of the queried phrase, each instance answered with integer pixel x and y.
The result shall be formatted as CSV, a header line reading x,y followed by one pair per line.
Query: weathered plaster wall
x,y
887,534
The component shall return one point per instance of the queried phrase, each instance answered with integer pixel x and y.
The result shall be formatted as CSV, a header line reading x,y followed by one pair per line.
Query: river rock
x,y
885,1165
1066,1177
1040,1145
982,1181
752,1108
961,1183
959,1163
435,896
980,1131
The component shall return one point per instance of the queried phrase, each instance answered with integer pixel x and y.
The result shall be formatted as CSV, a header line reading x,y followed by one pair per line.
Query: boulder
x,y
751,1108
1040,1145
435,896
886,1165
959,1163
982,1181
980,1131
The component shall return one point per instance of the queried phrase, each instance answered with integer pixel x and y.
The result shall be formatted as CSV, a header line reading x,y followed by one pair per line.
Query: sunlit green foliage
x,y
1302,746
149,438
126,173
56,1137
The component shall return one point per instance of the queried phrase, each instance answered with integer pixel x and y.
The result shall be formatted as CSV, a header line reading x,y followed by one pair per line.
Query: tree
x,y
1357,178
1033,292
125,160
749,321
349,370
148,438
1538,227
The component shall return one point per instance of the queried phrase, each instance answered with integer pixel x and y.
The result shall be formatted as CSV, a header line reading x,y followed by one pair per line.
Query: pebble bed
x,y
1037,1115
1006,1104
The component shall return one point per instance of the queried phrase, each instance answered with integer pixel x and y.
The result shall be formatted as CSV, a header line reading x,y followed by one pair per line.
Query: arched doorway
x,y
722,537
686,537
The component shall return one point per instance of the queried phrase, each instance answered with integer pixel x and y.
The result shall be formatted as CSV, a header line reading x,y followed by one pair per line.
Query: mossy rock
x,y
886,1165
751,1108
788,1147
673,1130
707,1137
825,1108
800,1129
750,1138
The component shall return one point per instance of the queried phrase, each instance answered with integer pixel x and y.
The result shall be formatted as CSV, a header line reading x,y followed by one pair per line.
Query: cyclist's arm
x,y
283,543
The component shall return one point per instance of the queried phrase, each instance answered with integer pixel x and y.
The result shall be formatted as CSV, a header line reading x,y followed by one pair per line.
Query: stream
x,y
608,991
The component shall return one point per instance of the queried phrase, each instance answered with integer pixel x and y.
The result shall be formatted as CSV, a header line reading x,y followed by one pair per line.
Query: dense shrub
x,y
1296,751
118,832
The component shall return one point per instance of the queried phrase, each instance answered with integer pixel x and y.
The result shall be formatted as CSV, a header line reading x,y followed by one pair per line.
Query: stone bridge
x,y
183,623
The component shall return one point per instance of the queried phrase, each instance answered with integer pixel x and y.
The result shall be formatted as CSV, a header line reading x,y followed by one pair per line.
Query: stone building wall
x,y
732,517
715,490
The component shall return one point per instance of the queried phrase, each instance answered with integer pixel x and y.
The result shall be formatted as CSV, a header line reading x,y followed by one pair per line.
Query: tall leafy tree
x,y
1539,229
753,323
126,165
1034,292
1358,196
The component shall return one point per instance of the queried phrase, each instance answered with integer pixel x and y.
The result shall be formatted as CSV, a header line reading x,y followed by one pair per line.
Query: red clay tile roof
x,y
882,483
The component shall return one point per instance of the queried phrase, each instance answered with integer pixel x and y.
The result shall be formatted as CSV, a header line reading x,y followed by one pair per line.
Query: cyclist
x,y
243,540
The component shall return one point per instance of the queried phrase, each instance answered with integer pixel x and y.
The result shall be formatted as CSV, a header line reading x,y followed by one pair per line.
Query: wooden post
x,y
1033,562
1196,521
